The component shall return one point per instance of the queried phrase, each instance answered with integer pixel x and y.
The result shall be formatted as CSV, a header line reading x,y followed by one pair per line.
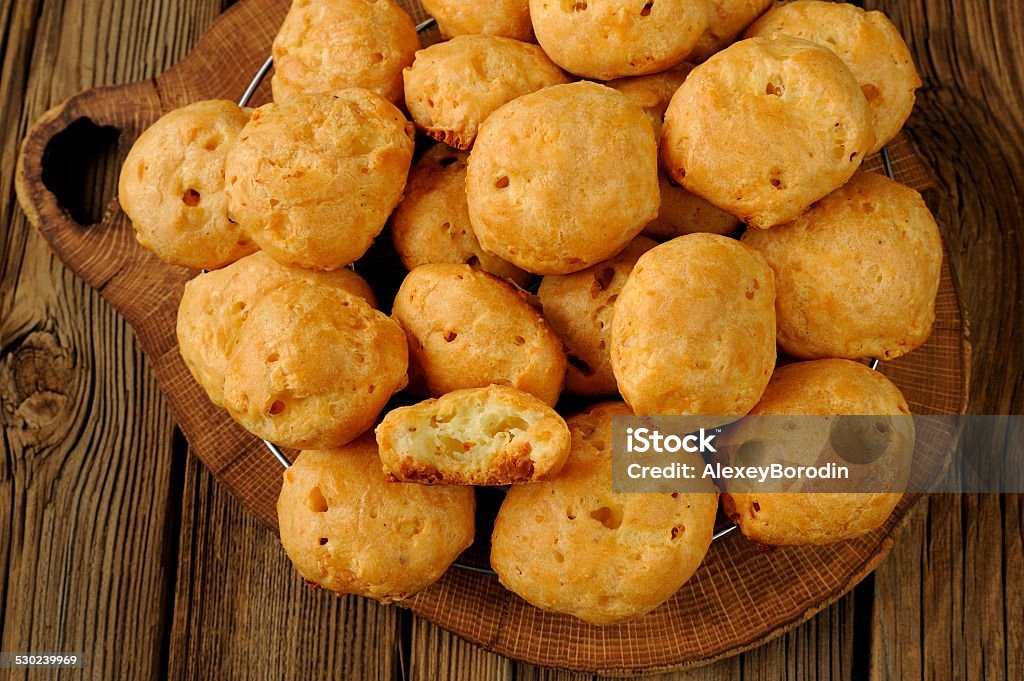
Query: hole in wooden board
x,y
81,166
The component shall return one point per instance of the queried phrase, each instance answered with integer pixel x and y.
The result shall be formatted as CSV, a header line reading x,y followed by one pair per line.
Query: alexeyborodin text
x,y
651,441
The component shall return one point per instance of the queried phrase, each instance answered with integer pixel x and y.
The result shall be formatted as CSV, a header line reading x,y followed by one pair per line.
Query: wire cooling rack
x,y
261,74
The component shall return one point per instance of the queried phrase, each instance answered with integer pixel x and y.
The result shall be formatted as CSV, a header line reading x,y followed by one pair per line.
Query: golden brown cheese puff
x,y
868,43
727,20
313,179
857,274
348,530
578,307
653,92
479,436
562,178
694,328
823,387
172,186
505,18
605,39
467,329
573,546
313,366
431,224
766,127
215,304
453,86
680,212
325,46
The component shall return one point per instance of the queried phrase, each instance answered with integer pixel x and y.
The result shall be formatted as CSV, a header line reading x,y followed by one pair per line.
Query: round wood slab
x,y
739,598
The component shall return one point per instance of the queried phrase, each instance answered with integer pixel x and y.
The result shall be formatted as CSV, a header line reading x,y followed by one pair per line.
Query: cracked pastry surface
x,y
765,128
608,39
571,545
563,178
868,43
826,387
467,329
215,305
453,86
348,530
479,436
693,330
313,366
431,223
313,179
325,46
857,274
579,308
172,186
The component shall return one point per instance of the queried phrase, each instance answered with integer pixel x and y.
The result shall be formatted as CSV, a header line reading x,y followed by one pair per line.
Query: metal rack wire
x,y
258,78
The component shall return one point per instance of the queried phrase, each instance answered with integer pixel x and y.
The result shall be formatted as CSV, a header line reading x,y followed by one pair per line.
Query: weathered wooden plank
x,y
943,599
86,438
1013,577
436,654
896,625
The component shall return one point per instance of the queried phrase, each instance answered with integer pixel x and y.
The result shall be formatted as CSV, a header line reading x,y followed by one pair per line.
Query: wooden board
x,y
146,292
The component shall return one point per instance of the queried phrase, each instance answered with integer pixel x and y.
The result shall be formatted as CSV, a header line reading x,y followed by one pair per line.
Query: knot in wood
x,y
34,378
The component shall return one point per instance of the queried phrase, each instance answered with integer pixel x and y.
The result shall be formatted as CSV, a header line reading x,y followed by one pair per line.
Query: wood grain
x,y
86,504
945,604
104,555
436,654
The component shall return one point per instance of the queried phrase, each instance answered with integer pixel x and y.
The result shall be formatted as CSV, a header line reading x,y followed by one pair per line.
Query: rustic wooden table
x,y
114,540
